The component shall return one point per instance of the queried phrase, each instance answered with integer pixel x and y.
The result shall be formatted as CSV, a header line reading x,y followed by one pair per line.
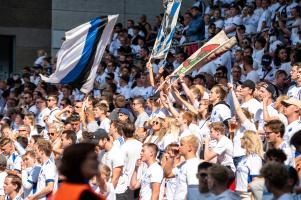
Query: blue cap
x,y
124,111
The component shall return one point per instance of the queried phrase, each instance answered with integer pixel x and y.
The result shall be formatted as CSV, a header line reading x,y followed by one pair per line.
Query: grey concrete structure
x,y
41,24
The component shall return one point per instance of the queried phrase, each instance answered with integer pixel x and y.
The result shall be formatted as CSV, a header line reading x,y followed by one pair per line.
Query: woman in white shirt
x,y
172,132
29,119
282,59
221,111
250,165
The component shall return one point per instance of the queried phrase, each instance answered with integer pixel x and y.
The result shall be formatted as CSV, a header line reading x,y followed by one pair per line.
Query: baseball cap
x,y
292,101
100,134
124,111
266,60
248,83
271,89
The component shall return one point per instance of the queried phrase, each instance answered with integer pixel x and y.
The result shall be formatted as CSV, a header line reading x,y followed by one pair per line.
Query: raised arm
x,y
242,117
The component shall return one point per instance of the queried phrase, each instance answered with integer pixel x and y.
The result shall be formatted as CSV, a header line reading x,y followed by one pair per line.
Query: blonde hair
x,y
173,128
162,130
106,170
192,140
252,143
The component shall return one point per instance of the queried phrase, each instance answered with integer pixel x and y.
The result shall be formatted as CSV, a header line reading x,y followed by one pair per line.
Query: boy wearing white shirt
x,y
151,179
187,182
223,149
48,176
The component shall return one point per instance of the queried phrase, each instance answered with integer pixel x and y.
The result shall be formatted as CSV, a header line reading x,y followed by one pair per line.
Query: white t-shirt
x,y
295,92
2,179
246,169
291,129
220,113
153,174
253,76
254,107
272,112
41,115
141,119
250,23
224,151
131,150
30,179
115,158
105,124
185,175
52,113
284,146
239,133
47,174
14,162
266,16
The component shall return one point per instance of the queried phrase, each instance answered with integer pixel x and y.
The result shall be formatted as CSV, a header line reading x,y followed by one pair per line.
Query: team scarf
x,y
81,53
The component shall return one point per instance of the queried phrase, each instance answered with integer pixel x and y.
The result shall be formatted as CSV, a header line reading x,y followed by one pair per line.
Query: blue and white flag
x,y
81,53
167,30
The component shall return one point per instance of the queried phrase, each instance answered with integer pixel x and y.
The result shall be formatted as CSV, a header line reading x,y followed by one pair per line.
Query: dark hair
x,y
15,180
72,160
248,60
276,126
278,154
204,165
296,139
128,129
23,141
70,135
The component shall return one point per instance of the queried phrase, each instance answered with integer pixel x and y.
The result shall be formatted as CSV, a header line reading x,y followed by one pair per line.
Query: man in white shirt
x,y
151,179
292,112
142,116
274,131
266,72
187,182
235,20
13,158
131,149
116,133
248,101
223,149
249,72
112,156
42,111
48,176
100,113
295,90
52,105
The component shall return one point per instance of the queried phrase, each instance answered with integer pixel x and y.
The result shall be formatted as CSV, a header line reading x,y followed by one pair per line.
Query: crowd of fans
x,y
229,130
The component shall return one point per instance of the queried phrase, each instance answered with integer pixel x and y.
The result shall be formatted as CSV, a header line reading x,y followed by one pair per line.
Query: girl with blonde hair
x,y
172,132
249,167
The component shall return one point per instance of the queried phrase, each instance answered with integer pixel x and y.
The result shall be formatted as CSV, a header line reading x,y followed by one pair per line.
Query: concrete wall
x,y
40,24
30,22
67,14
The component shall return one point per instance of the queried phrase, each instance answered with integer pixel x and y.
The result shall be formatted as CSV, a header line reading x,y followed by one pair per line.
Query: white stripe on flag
x,y
69,53
106,36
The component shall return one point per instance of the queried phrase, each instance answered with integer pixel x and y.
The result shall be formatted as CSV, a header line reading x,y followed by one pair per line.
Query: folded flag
x,y
212,49
81,53
167,30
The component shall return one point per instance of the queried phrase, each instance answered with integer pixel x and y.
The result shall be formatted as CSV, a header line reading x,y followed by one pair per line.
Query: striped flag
x,y
81,53
212,49
167,30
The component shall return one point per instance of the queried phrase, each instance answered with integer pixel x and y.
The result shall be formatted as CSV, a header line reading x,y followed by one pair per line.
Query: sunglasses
x,y
155,123
50,100
51,134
